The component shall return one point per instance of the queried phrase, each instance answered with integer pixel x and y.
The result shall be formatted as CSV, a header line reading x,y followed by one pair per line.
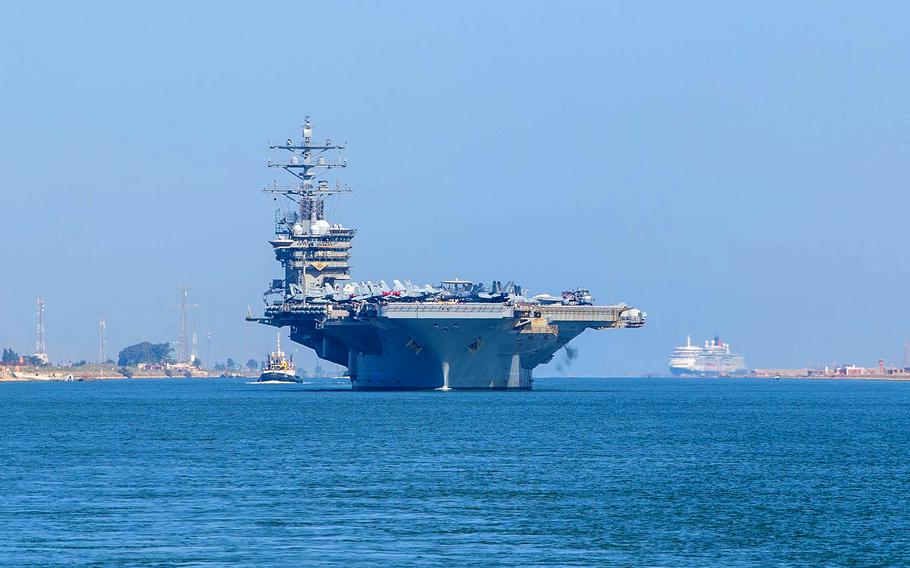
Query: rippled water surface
x,y
578,472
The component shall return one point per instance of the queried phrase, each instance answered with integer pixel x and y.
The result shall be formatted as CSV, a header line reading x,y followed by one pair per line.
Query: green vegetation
x,y
145,352
252,364
33,361
9,356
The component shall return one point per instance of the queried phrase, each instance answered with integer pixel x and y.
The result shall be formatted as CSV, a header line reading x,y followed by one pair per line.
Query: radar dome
x,y
319,227
298,229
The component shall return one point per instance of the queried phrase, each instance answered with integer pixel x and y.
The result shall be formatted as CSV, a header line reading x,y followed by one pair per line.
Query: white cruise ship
x,y
713,360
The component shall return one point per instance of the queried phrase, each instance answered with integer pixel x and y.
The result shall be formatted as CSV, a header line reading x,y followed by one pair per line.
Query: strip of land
x,y
106,372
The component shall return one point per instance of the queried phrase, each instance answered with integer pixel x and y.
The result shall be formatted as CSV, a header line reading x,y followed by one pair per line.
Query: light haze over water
x,y
731,169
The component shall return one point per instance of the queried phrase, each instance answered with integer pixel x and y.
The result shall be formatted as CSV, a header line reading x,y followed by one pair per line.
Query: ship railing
x,y
310,263
582,313
306,242
444,307
325,254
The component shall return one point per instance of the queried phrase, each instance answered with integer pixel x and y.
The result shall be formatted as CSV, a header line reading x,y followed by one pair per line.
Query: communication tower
x,y
183,348
40,345
102,326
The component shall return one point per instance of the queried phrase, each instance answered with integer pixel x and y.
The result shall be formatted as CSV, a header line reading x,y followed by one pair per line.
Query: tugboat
x,y
279,368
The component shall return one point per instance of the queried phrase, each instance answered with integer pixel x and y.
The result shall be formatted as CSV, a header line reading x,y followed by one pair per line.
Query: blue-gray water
x,y
577,472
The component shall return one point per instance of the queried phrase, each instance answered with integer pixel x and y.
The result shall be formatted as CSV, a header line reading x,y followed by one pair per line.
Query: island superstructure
x,y
714,359
455,335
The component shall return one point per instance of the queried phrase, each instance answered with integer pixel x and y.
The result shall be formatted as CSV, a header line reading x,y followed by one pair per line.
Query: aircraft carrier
x,y
454,335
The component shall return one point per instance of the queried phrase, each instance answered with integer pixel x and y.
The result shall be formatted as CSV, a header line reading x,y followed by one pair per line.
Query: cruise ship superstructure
x,y
455,335
714,359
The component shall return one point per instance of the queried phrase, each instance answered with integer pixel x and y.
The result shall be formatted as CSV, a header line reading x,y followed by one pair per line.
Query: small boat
x,y
279,369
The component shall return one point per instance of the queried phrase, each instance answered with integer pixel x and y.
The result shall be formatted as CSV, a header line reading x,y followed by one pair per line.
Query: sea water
x,y
660,472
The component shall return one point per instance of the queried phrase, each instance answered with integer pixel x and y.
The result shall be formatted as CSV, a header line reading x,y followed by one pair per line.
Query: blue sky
x,y
733,170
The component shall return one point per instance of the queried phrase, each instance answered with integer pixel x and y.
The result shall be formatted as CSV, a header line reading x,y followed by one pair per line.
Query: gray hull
x,y
436,347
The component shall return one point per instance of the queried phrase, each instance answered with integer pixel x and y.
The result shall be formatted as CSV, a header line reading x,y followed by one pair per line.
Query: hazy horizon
x,y
732,170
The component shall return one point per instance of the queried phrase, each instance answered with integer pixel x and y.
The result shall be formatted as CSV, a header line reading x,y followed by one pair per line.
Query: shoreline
x,y
12,379
892,378
8,375
60,376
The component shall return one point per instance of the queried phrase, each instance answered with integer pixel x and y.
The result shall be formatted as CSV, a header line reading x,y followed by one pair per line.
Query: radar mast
x,y
313,251
308,162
